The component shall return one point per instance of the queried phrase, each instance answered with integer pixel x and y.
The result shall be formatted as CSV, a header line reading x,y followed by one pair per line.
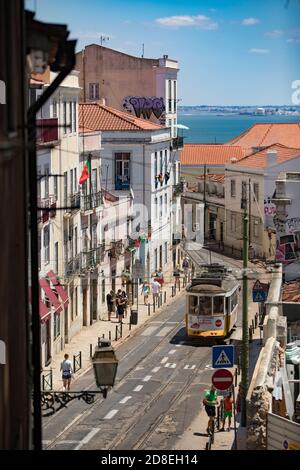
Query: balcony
x,y
46,208
177,143
116,249
46,131
72,203
90,259
73,266
91,201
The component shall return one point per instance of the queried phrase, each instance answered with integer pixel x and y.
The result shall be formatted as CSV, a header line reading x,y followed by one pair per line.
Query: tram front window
x,y
218,305
204,306
193,302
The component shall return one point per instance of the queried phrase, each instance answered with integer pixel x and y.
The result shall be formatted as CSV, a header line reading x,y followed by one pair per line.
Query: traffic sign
x,y
222,379
222,356
260,292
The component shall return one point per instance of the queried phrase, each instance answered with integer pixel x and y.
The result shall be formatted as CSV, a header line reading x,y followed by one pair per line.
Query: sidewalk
x,y
195,436
89,335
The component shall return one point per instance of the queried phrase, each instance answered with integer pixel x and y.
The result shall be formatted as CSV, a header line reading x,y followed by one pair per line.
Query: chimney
x,y
271,157
103,101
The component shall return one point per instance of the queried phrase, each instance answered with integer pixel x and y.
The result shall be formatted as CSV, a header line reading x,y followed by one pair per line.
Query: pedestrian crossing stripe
x,y
223,359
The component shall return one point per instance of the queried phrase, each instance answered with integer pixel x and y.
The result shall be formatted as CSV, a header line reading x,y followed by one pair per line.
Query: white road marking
x,y
66,441
173,366
164,360
111,414
168,364
138,388
164,331
125,399
172,351
87,438
156,369
189,367
46,443
150,330
147,378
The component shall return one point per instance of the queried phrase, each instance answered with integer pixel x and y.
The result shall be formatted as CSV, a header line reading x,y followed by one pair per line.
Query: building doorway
x,y
94,297
160,258
222,232
48,343
212,226
84,306
66,329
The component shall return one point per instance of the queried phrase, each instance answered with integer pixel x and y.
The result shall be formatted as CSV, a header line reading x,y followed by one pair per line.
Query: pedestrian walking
x,y
110,301
125,299
155,290
67,371
145,292
120,306
228,404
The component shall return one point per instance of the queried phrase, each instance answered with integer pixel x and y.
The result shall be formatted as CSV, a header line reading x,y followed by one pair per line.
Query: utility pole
x,y
204,201
245,339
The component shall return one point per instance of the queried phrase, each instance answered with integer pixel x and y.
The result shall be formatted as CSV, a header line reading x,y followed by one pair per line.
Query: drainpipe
x,y
68,50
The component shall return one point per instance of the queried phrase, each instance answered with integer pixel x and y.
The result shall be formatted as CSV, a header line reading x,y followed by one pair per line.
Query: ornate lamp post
x,y
105,366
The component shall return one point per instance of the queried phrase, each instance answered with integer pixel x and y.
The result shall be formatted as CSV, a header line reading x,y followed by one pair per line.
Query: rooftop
x,y
97,117
210,154
266,134
259,159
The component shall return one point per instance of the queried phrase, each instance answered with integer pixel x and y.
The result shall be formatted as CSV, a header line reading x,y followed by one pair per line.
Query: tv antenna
x,y
103,39
143,49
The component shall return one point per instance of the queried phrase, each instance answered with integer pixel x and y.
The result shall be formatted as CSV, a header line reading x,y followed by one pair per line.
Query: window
x,y
205,305
161,162
75,241
156,207
76,302
218,305
65,189
75,180
55,186
122,170
166,204
70,117
256,231
170,96
234,300
65,117
94,236
71,181
193,302
46,244
155,259
175,94
46,172
155,164
232,188
56,257
56,325
94,180
244,195
74,129
54,109
93,91
39,248
72,304
166,161
166,252
233,222
256,192
160,206
103,291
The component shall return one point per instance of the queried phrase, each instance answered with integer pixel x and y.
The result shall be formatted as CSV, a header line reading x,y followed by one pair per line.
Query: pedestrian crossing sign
x,y
222,356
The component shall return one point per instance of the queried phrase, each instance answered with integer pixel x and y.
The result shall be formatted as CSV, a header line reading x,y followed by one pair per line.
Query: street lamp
x,y
105,366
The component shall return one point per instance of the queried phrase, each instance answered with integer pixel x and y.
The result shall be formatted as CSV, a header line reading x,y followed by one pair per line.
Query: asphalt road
x,y
159,388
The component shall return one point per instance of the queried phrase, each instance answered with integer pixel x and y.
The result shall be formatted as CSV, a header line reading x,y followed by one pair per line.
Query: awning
x,y
50,294
43,309
63,294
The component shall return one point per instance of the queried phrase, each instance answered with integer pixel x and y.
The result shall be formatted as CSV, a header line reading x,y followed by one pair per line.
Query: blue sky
x,y
229,51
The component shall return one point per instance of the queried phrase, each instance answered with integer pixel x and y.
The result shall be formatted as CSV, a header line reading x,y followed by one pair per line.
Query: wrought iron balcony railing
x,y
177,143
91,201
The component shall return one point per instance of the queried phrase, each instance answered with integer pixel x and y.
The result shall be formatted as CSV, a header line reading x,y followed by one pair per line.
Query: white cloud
x,y
276,33
201,21
255,50
250,21
293,41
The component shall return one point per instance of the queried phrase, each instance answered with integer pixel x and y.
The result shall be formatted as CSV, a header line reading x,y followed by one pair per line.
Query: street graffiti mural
x,y
143,106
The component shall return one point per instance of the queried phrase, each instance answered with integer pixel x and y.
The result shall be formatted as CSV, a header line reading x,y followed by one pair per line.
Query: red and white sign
x,y
222,379
218,323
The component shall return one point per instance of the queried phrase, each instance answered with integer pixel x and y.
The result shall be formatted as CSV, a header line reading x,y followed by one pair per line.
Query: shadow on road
x,y
181,338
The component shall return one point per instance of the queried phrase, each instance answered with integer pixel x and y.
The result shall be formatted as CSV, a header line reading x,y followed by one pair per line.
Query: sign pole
x,y
245,339
234,419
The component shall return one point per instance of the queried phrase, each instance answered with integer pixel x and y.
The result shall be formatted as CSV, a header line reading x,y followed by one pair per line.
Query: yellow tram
x,y
211,303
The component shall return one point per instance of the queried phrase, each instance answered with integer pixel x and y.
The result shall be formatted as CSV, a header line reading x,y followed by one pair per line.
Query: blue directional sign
x,y
222,357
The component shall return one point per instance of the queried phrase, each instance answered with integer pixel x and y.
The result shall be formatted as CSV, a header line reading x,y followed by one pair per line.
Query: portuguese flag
x,y
86,172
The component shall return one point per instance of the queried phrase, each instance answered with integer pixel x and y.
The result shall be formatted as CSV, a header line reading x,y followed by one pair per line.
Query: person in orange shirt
x,y
228,404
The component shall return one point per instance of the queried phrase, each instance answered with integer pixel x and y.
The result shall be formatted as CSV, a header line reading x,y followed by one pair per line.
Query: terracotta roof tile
x,y
259,159
213,177
290,291
96,117
210,154
266,134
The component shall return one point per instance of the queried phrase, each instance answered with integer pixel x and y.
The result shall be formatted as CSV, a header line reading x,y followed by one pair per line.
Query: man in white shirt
x,y
155,290
66,368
